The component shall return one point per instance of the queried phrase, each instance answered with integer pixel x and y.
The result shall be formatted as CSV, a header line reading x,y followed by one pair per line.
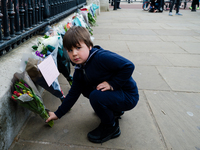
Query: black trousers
x,y
194,3
118,3
172,5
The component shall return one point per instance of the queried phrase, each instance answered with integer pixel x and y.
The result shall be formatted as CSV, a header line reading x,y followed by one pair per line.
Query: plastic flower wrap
x,y
50,45
25,94
60,30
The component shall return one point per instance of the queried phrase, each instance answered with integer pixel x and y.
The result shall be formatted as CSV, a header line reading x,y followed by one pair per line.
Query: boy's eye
x,y
69,50
78,47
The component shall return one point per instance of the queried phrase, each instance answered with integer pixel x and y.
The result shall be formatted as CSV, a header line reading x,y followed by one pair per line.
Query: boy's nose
x,y
74,52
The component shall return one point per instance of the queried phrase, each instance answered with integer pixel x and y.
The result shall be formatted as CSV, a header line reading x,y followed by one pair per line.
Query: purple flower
x,y
26,85
39,54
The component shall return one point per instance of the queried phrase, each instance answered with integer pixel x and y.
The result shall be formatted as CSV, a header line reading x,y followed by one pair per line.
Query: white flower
x,y
53,41
40,40
40,47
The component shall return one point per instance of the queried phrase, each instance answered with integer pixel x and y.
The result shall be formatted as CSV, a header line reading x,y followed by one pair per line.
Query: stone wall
x,y
12,116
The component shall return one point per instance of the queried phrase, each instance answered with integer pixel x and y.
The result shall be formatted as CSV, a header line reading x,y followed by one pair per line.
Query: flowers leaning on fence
x,y
25,97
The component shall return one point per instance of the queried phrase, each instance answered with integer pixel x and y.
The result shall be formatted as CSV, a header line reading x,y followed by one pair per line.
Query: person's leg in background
x,y
171,7
177,8
194,3
118,3
112,2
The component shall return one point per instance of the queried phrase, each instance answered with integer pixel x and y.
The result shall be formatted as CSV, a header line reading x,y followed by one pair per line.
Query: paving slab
x,y
138,37
120,46
184,60
177,115
181,78
176,32
154,47
179,39
151,78
147,59
138,32
190,48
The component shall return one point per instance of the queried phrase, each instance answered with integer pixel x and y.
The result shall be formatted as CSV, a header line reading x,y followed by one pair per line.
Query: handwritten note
x,y
49,70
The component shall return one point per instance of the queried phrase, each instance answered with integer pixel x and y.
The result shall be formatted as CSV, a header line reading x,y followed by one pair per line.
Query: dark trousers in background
x,y
172,5
118,3
194,3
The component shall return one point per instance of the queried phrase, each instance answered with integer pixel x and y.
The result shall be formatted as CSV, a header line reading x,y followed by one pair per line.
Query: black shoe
x,y
119,8
193,10
118,114
104,133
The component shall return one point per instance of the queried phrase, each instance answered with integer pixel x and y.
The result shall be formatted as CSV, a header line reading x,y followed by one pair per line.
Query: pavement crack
x,y
156,123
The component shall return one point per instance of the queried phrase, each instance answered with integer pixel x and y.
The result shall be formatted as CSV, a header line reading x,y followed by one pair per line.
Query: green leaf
x,y
35,47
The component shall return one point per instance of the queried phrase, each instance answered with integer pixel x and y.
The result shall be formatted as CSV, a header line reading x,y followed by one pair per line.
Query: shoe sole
x,y
116,134
111,136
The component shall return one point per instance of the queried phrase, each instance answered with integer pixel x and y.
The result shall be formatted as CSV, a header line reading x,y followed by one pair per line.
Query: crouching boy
x,y
102,76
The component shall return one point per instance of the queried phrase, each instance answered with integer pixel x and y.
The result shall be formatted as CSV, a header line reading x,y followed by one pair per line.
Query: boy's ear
x,y
90,47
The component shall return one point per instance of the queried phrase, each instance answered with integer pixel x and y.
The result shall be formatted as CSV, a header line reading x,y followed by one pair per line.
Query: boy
x,y
104,78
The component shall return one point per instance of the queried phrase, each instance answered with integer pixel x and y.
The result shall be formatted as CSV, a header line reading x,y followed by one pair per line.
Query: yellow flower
x,y
30,95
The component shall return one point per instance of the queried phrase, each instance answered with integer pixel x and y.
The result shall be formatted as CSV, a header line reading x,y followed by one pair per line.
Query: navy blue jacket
x,y
101,65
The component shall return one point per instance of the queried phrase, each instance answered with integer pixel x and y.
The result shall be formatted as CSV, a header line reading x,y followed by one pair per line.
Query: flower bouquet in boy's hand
x,y
26,97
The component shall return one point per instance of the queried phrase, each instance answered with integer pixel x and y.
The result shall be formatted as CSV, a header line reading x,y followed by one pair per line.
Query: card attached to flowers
x,y
49,70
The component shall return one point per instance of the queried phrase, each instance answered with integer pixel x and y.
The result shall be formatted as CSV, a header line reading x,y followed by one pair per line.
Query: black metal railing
x,y
22,19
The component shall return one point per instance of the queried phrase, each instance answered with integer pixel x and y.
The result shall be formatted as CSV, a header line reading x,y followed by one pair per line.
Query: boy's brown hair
x,y
75,35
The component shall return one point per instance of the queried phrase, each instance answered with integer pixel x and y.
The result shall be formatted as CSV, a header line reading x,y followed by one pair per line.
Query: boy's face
x,y
79,54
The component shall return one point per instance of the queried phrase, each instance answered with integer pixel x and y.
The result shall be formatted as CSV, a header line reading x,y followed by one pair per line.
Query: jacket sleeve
x,y
71,97
120,67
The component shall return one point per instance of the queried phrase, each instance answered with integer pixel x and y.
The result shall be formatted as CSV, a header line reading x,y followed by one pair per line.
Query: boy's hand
x,y
104,86
52,117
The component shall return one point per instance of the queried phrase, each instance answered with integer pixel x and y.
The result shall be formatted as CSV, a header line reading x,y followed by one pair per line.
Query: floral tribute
x,y
25,96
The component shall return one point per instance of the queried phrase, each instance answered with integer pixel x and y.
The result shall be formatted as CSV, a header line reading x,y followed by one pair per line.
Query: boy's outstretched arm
x,y
52,116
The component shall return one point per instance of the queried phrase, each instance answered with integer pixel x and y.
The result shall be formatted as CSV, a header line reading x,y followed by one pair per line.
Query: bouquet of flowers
x,y
49,45
67,26
25,96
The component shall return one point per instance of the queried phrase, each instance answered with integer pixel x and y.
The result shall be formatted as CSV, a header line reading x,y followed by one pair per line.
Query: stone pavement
x,y
166,53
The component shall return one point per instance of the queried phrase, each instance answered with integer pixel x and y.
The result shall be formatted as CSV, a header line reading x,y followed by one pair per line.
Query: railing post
x,y
52,8
55,7
42,10
21,13
26,15
67,4
128,1
5,21
33,13
61,5
36,12
1,15
58,7
30,11
17,26
39,12
11,14
46,10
